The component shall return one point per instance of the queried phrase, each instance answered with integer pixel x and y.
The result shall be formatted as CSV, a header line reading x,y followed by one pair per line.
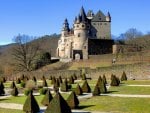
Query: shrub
x,y
3,79
53,80
27,91
22,77
123,77
31,105
64,86
34,79
44,83
22,84
50,78
12,85
74,76
104,79
58,105
72,100
43,91
96,91
14,92
85,87
115,81
60,80
18,81
2,92
78,90
30,84
47,98
71,80
83,76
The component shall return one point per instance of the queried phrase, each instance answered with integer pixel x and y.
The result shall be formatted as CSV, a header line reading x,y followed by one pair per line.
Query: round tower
x,y
81,28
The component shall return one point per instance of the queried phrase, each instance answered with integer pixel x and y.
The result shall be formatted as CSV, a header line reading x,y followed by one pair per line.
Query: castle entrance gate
x,y
77,54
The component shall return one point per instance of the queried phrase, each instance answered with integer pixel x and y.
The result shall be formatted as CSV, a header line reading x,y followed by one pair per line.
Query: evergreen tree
x,y
31,105
96,91
85,87
53,80
60,80
58,105
124,76
47,98
78,90
83,76
101,85
14,92
72,100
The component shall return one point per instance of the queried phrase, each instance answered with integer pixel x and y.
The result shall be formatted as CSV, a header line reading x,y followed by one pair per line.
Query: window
x,y
84,47
77,25
105,23
82,25
78,34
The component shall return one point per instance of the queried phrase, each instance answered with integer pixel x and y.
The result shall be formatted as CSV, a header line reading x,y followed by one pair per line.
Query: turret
x,y
65,28
81,28
108,17
90,14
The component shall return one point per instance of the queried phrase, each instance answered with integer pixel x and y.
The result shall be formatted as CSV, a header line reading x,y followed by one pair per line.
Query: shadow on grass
x,y
84,106
108,92
4,99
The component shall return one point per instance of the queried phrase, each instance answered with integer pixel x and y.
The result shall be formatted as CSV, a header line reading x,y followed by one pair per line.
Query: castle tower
x,y
81,28
63,39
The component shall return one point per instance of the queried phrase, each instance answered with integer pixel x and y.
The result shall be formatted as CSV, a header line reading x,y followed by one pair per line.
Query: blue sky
x,y
45,17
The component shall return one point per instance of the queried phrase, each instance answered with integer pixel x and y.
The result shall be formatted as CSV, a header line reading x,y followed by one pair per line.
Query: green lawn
x,y
130,90
116,104
2,110
137,82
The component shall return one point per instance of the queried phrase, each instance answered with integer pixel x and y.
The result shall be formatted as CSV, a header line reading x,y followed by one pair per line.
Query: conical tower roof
x,y
66,25
83,15
58,105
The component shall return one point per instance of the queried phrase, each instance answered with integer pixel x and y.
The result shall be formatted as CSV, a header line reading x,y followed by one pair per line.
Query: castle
x,y
90,35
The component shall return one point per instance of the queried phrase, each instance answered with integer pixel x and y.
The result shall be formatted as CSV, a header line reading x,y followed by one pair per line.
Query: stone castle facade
x,y
90,35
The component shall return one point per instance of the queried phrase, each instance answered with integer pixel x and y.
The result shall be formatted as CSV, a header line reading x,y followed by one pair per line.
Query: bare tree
x,y
25,52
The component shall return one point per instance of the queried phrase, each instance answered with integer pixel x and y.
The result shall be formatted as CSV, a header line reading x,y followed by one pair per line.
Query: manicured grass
x,y
21,99
130,90
116,104
137,82
2,110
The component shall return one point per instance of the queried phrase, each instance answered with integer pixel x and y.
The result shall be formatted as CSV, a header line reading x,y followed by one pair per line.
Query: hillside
x,y
50,43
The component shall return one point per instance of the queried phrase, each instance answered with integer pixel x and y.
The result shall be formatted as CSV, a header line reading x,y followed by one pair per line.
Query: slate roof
x,y
99,17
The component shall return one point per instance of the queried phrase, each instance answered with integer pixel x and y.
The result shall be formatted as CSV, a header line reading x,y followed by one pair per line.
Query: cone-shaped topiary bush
x,y
74,76
44,83
31,105
64,86
50,77
101,85
124,76
47,98
83,76
60,80
22,77
34,79
12,85
85,87
78,90
96,91
18,81
72,100
104,79
71,80
14,92
115,81
2,92
53,80
58,105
